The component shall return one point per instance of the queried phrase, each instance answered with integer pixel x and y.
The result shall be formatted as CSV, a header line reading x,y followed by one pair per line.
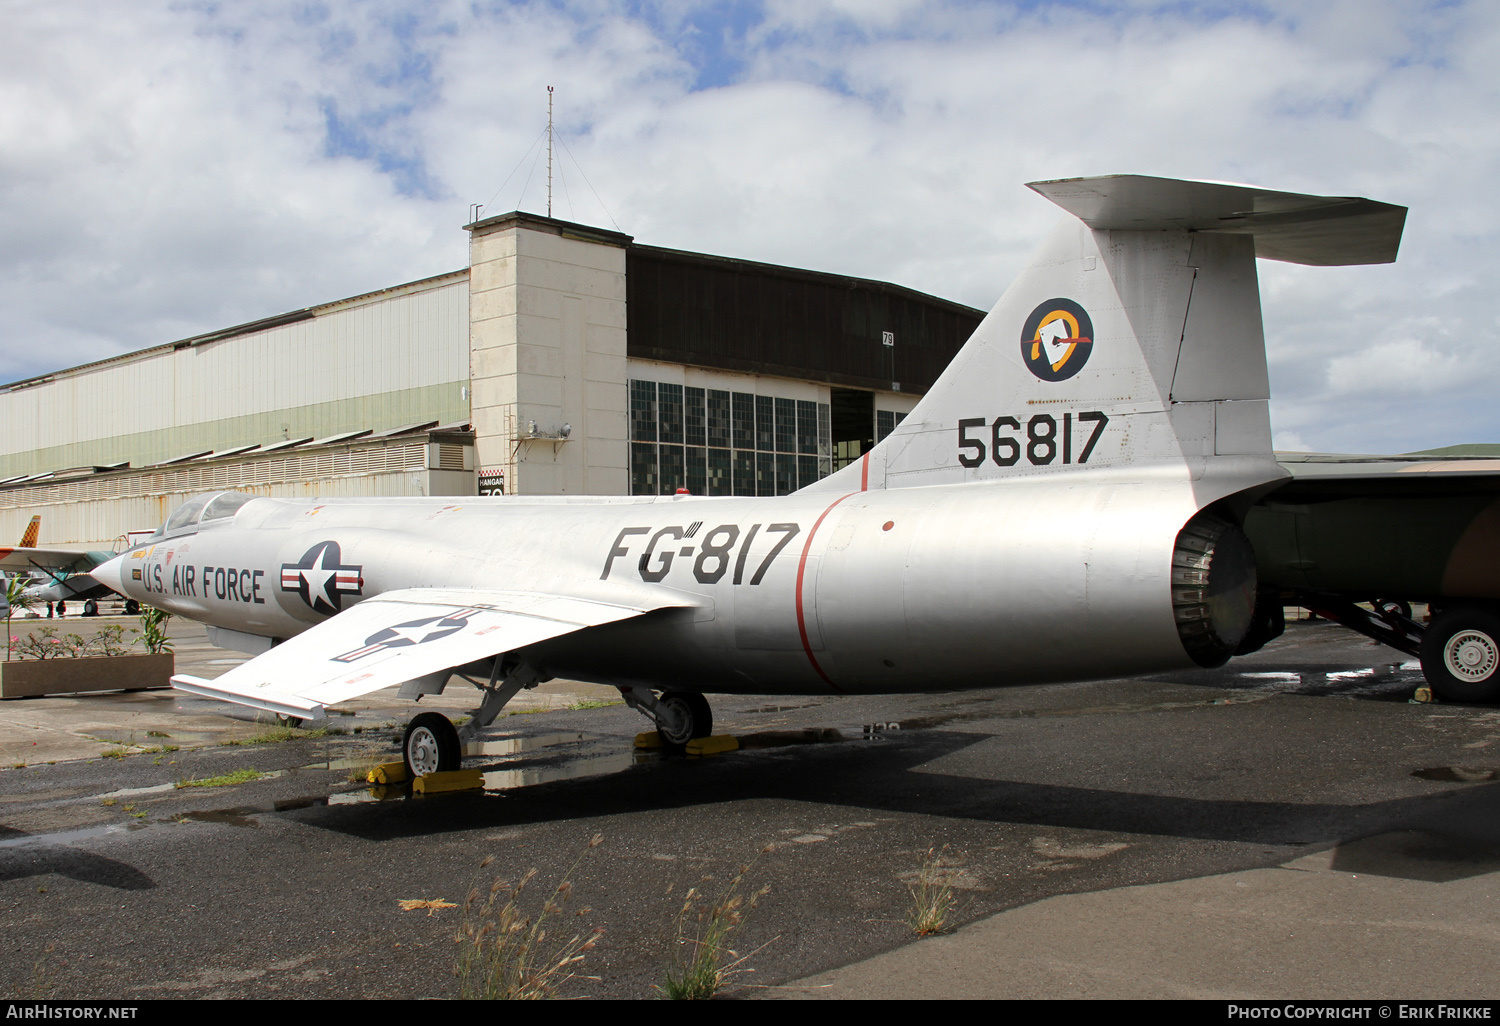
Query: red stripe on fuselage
x,y
801,571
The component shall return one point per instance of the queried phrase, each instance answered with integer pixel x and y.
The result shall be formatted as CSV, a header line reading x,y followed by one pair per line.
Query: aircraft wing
x,y
396,637
1419,528
1317,476
22,559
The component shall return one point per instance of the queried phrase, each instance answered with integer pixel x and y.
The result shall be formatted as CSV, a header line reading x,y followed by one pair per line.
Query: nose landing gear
x,y
680,716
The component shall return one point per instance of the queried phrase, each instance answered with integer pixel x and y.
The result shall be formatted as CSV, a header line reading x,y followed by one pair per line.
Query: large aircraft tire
x,y
91,608
695,719
1461,655
430,745
132,607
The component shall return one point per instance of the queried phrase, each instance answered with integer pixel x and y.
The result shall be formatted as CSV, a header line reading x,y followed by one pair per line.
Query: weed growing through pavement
x,y
507,952
239,776
931,895
702,958
591,703
276,735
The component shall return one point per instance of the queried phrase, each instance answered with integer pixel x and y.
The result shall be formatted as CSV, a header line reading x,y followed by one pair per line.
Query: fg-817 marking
x,y
715,556
1045,440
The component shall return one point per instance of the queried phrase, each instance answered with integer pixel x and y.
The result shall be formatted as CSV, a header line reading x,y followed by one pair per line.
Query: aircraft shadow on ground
x,y
886,777
21,861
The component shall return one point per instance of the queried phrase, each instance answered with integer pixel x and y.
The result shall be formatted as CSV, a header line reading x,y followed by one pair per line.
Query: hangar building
x,y
564,359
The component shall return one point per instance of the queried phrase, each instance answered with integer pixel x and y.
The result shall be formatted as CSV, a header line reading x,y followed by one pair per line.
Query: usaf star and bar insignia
x,y
322,579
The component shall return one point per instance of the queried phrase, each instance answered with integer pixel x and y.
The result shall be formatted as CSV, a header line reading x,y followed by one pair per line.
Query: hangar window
x,y
744,420
885,423
718,418
642,468
786,425
765,423
643,411
669,413
717,442
693,417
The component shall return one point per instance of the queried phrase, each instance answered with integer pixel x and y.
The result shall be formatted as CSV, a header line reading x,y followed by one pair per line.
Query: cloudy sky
x,y
167,168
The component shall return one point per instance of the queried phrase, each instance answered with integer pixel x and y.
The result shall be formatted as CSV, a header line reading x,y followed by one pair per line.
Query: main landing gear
x,y
680,716
1461,654
432,744
1459,650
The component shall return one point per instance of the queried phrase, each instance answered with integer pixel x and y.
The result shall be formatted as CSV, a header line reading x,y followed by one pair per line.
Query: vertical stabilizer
x,y
1131,342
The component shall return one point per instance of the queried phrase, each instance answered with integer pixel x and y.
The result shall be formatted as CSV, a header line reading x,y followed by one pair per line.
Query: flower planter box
x,y
28,678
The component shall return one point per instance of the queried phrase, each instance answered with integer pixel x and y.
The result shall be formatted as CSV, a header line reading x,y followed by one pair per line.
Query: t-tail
x,y
1132,341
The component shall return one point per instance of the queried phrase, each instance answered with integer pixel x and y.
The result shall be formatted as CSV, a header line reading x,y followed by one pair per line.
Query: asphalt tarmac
x,y
1289,826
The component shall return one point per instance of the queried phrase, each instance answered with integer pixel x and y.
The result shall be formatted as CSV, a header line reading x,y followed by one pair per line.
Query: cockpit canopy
x,y
200,510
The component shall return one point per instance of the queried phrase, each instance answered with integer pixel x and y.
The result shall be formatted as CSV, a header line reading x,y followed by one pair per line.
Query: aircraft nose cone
x,y
111,574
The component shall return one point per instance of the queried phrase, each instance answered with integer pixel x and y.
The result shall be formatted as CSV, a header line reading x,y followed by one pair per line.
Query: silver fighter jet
x,y
1066,503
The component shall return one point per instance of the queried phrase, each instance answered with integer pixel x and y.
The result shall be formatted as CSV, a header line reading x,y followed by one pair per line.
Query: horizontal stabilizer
x,y
399,636
1300,229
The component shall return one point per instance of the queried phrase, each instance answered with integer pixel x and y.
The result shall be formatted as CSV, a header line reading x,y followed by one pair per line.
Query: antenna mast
x,y
549,151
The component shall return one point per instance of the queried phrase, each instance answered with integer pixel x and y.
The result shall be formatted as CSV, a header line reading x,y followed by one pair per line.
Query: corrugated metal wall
x,y
92,511
372,362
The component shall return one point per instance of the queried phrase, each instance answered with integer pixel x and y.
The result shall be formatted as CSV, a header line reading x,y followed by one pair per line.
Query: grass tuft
x,y
275,735
239,776
592,703
703,960
506,952
931,895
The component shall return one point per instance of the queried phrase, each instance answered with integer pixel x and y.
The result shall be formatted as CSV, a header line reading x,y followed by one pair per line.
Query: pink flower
x,y
14,639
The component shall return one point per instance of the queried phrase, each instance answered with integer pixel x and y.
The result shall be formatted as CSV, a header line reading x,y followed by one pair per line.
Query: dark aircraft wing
x,y
1382,527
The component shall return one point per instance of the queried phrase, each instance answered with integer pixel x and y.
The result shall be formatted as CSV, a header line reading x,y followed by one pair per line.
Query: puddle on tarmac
x,y
1458,774
69,836
128,792
1389,681
516,744
506,779
525,776
239,816
785,738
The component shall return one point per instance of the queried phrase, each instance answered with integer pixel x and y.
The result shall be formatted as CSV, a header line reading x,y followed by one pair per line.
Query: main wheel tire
x,y
132,607
91,608
692,715
1461,654
430,745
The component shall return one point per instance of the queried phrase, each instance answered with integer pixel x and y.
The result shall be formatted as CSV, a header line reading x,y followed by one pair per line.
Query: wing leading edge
x,y
396,637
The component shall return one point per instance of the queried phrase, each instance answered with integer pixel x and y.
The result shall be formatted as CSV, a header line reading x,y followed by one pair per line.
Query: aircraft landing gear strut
x,y
432,744
680,716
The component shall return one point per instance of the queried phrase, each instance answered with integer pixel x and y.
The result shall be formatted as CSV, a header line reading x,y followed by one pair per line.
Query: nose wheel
x,y
430,745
